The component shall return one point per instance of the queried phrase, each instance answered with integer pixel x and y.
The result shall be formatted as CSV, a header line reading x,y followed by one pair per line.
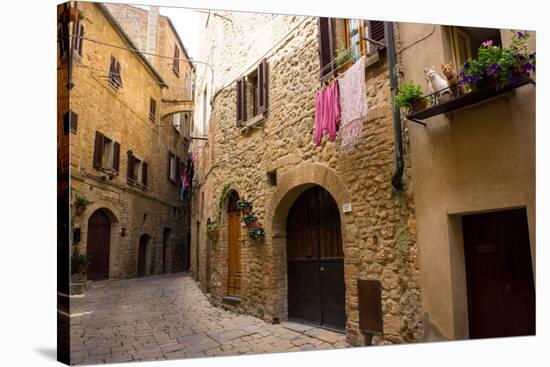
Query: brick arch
x,y
290,185
187,106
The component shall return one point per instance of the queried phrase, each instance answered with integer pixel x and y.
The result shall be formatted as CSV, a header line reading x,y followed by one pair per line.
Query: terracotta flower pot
x,y
80,209
419,104
213,235
247,210
254,224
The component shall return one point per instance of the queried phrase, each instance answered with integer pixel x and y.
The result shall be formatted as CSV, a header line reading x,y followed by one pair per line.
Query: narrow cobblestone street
x,y
168,317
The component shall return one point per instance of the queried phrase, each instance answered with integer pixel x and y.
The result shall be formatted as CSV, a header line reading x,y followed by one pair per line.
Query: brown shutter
x,y
326,47
98,149
243,98
119,77
144,173
80,40
262,87
130,171
177,169
66,122
116,156
376,32
238,101
74,122
169,158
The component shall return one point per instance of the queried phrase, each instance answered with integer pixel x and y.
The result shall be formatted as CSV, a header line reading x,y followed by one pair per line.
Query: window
x,y
114,73
253,87
173,167
152,110
78,33
177,121
63,38
70,122
186,124
106,153
356,32
465,42
176,61
204,112
137,170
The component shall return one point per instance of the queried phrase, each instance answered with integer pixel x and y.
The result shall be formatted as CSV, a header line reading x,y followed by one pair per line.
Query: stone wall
x,y
122,115
378,235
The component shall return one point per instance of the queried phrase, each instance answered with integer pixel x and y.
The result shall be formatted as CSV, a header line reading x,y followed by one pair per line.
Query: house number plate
x,y
346,208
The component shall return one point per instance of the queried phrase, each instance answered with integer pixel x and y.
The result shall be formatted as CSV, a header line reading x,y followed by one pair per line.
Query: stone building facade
x,y
130,143
271,159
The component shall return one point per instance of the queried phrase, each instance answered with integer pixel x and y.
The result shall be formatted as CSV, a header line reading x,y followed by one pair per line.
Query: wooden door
x,y
98,245
142,255
499,274
234,247
315,260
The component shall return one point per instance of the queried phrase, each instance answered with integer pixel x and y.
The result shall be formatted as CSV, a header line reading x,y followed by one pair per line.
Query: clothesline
x,y
339,57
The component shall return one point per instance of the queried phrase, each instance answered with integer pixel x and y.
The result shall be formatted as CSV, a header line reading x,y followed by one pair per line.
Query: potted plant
x,y
81,204
79,266
409,95
498,66
256,234
249,219
212,230
245,206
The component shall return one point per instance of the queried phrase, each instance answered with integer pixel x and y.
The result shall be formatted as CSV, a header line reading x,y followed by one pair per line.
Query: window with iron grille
x,y
115,78
152,109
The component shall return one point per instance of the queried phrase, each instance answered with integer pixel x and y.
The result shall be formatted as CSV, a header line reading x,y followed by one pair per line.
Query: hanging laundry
x,y
353,103
327,112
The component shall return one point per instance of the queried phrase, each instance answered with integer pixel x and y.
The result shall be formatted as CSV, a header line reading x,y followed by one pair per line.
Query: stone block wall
x,y
123,116
378,235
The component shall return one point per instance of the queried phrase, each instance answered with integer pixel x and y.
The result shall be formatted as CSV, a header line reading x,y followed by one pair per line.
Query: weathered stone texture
x,y
379,233
122,115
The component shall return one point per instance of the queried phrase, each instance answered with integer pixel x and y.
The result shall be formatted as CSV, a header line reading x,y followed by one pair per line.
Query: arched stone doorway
x,y
315,260
98,245
144,256
233,246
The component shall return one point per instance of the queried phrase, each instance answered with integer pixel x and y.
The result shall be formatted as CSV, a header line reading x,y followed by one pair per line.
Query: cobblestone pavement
x,y
168,317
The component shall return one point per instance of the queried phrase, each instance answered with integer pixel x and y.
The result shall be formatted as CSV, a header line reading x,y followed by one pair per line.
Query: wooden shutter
x,y
152,109
116,156
238,101
98,149
262,87
63,39
178,172
243,98
66,122
326,47
80,40
73,122
376,33
130,170
176,66
144,173
118,76
169,159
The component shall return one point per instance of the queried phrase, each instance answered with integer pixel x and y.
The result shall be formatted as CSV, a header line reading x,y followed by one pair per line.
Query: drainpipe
x,y
396,179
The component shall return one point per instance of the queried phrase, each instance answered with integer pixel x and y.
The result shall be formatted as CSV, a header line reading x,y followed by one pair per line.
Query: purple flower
x,y
520,34
473,79
493,68
512,80
519,57
487,43
528,66
466,65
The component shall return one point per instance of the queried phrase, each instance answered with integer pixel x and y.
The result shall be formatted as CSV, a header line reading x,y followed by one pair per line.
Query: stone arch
x,y
291,184
114,216
186,106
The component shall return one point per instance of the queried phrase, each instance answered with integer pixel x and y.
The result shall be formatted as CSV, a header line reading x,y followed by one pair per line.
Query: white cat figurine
x,y
436,82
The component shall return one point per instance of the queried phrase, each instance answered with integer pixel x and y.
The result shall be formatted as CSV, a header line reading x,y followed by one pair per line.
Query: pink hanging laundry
x,y
327,113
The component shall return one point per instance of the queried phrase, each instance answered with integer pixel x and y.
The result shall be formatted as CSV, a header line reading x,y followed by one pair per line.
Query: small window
x,y
106,153
152,110
137,170
252,88
357,32
272,178
177,121
176,61
78,40
63,39
465,41
173,164
114,73
70,122
186,124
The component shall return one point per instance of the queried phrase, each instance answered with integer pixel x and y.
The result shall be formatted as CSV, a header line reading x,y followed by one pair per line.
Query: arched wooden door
x,y
142,255
233,247
98,245
315,260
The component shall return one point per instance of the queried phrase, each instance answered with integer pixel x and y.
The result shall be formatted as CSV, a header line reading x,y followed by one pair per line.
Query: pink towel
x,y
327,113
353,100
